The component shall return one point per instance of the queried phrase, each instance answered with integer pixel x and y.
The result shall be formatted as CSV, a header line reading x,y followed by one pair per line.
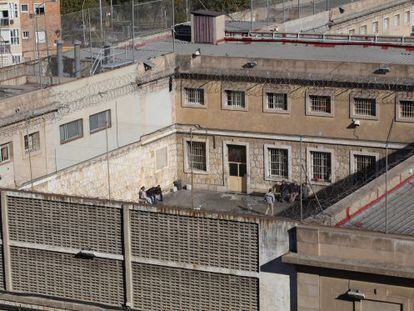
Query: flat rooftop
x,y
400,212
221,202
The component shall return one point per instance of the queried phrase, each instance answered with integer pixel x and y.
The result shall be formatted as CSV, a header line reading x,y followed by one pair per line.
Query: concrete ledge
x,y
348,265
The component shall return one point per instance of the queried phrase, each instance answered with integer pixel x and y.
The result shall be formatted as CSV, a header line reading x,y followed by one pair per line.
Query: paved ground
x,y
221,202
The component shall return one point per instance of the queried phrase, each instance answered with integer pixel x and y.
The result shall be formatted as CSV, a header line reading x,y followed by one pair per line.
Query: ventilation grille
x,y
63,275
201,241
1,268
65,224
163,288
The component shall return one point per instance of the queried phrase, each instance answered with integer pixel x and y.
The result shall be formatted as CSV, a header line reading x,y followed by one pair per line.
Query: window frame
x,y
14,36
187,166
407,17
365,28
225,106
9,146
72,138
267,167
108,124
398,100
25,37
363,95
309,159
396,20
386,23
353,153
26,151
186,103
325,93
276,90
39,5
375,27
21,8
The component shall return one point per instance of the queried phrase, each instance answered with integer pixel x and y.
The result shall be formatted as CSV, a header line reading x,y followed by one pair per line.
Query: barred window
x,y
99,121
71,131
197,155
32,142
365,106
25,8
39,8
364,165
321,166
320,103
194,96
276,101
406,109
5,152
235,99
278,162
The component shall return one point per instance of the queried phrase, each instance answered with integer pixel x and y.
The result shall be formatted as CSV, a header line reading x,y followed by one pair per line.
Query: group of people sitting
x,y
150,196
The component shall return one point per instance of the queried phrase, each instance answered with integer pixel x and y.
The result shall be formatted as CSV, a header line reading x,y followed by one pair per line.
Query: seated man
x,y
143,196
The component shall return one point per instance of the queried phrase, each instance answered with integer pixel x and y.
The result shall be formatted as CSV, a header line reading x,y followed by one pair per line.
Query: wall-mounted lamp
x,y
85,254
250,65
355,294
382,71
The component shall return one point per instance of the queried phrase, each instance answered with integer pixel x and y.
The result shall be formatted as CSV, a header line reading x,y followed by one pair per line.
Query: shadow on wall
x,y
276,266
344,187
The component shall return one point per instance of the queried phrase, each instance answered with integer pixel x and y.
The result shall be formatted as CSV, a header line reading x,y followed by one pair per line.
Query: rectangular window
x,y
365,107
194,96
16,10
321,166
71,131
406,110
276,101
99,121
396,20
386,23
364,165
5,152
321,104
197,155
39,8
363,30
32,142
278,163
161,158
351,32
25,35
407,17
16,59
14,37
25,8
40,37
235,99
375,27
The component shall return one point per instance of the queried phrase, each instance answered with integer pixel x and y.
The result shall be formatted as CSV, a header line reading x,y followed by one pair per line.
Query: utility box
x,y
207,27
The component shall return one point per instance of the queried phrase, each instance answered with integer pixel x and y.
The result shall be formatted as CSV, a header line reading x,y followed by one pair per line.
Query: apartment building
x,y
40,27
28,30
10,33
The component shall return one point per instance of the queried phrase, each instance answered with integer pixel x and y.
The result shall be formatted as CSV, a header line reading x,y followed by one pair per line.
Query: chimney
x,y
207,27
77,59
59,58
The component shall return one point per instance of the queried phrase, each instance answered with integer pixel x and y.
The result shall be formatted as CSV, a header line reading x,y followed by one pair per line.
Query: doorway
x,y
237,181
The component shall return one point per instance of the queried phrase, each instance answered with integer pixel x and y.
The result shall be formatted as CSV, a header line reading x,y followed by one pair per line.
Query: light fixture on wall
x,y
355,294
382,71
250,64
85,254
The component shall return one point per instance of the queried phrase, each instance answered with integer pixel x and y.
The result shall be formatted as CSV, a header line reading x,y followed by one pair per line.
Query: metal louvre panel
x,y
63,275
195,240
65,224
164,288
1,268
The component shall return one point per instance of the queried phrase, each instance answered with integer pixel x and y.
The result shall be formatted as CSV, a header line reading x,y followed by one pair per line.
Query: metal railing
x,y
315,37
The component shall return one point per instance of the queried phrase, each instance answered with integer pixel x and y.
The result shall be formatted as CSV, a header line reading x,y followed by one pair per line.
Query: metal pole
x,y
173,25
107,161
298,8
251,15
100,19
386,188
46,38
38,52
300,180
267,12
90,34
313,9
284,11
30,156
133,28
83,22
191,167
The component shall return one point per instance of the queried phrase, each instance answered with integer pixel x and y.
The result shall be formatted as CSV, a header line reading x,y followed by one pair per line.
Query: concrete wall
x,y
137,106
331,262
237,263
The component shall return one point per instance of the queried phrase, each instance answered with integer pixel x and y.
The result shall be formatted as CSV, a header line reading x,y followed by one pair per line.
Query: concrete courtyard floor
x,y
235,203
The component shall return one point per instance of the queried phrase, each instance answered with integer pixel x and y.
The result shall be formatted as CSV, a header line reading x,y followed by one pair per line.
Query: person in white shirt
x,y
270,201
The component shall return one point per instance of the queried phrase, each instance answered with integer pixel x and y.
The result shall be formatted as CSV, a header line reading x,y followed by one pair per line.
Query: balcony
x,y
4,48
